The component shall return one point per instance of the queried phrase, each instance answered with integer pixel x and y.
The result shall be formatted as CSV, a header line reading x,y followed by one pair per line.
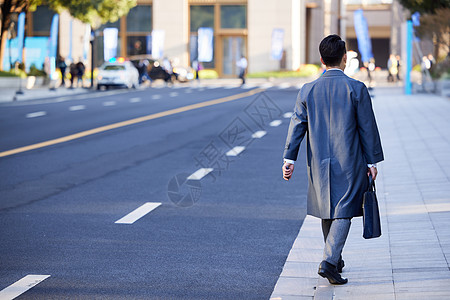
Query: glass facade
x,y
134,33
229,23
233,16
42,20
139,29
200,16
139,19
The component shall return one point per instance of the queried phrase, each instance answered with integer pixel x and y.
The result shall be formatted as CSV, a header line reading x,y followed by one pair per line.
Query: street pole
x,y
409,37
92,57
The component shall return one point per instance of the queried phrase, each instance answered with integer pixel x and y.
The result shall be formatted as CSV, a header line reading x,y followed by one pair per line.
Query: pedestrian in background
x,y
343,146
62,68
397,57
73,73
242,65
80,73
392,68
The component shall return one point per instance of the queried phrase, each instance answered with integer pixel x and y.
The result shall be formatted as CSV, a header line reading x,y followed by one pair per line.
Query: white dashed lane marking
x,y
173,94
275,123
138,213
36,114
288,115
109,103
155,97
77,107
18,288
235,151
199,174
259,134
134,100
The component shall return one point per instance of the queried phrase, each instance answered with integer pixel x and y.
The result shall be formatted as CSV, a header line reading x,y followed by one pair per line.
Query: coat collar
x,y
333,72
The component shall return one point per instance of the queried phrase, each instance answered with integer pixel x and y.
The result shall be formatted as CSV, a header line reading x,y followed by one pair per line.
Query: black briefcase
x,y
371,213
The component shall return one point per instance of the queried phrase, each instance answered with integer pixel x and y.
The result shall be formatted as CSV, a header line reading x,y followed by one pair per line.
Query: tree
x,y
424,6
9,7
436,27
92,12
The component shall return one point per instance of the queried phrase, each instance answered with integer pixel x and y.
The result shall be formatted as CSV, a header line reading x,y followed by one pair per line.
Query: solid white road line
x,y
284,85
173,94
267,85
134,100
275,123
199,174
259,134
109,103
138,213
288,115
235,151
155,97
21,286
77,107
36,114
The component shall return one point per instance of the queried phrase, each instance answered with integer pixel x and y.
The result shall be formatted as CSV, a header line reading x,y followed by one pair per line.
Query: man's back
x,y
336,112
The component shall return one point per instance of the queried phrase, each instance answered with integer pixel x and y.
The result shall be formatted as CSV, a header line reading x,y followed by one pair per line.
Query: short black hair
x,y
332,49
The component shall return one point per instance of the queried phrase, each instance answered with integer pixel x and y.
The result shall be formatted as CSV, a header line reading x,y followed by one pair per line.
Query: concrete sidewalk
x,y
411,259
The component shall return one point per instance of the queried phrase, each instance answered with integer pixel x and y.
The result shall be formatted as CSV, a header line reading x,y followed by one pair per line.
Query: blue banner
x,y
277,44
148,40
110,38
362,35
53,46
21,34
69,56
35,54
205,44
54,37
158,43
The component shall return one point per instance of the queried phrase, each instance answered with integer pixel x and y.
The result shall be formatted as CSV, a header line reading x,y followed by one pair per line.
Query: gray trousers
x,y
335,234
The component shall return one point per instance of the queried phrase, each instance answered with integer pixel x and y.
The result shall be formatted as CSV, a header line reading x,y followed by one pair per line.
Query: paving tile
x,y
435,295
309,243
300,269
363,290
305,255
420,285
295,286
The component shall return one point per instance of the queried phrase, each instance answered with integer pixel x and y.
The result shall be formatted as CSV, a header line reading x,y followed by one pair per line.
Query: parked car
x,y
150,68
117,72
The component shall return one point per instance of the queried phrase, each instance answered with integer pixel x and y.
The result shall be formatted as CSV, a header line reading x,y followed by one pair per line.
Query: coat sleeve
x,y
367,128
297,129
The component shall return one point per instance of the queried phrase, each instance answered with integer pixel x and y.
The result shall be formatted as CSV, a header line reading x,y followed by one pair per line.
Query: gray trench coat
x,y
342,138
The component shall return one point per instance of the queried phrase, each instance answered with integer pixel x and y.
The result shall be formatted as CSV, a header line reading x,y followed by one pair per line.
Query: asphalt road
x,y
222,236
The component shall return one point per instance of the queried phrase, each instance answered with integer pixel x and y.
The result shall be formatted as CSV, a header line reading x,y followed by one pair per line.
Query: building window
x,y
201,16
233,16
42,20
228,19
139,28
139,19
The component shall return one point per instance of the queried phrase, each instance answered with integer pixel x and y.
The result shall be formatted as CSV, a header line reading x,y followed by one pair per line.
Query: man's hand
x,y
372,171
288,169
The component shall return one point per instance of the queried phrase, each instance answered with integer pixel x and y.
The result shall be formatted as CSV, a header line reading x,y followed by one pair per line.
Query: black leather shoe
x,y
340,265
330,272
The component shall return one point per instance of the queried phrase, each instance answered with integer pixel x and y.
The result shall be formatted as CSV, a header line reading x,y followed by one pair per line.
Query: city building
x,y
250,28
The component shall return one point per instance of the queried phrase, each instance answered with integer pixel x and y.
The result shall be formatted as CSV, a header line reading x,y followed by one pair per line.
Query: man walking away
x,y
62,67
343,146
242,65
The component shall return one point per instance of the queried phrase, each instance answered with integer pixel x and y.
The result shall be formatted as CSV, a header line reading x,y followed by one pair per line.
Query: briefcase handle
x,y
371,184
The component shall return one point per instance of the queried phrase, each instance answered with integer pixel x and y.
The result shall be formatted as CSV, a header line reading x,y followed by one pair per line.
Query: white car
x,y
117,73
